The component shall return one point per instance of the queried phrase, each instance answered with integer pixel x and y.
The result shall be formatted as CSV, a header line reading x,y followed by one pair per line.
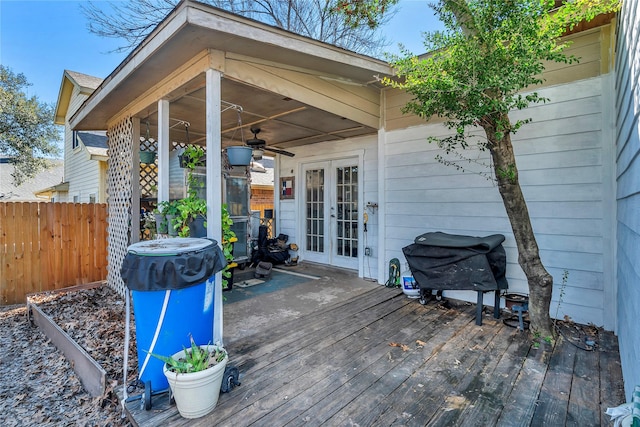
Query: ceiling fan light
x,y
257,153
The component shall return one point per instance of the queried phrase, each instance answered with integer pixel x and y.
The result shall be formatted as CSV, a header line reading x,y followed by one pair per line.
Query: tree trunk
x,y
539,280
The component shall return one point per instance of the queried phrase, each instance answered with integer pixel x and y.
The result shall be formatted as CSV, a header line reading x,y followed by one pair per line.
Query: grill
x,y
441,261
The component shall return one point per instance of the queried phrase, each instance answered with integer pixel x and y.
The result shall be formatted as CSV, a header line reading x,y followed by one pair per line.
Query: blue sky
x,y
43,38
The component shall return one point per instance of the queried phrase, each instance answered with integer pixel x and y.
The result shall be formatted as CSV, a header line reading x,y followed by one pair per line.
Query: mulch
x,y
39,387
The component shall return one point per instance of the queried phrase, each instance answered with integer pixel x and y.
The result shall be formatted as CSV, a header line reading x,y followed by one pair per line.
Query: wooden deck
x,y
345,366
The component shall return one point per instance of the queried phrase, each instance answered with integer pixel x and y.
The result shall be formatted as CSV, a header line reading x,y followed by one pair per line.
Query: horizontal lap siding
x,y
586,46
560,160
628,191
82,173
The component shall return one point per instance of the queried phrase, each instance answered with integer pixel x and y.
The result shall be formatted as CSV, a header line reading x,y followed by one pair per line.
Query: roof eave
x,y
189,21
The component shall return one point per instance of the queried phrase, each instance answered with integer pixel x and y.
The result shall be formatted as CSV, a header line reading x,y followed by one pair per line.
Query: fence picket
x,y
48,246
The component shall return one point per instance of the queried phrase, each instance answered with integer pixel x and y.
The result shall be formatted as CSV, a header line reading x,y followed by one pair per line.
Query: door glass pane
x,y
237,196
314,185
347,211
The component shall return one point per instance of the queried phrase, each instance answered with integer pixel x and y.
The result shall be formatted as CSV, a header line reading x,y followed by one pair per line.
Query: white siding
x,y
288,211
562,159
628,191
82,173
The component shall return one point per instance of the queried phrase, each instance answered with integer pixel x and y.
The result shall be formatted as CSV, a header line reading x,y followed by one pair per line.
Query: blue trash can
x,y
172,287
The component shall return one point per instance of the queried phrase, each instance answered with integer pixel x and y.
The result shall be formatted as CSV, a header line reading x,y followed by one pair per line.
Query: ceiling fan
x,y
260,144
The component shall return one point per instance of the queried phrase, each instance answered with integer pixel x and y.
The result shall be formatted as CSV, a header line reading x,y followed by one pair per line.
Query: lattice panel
x,y
119,183
149,173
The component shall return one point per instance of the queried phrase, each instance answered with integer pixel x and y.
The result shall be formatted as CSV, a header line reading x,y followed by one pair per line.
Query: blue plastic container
x,y
167,318
189,312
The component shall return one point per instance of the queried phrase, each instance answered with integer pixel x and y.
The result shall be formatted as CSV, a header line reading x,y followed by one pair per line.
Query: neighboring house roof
x,y
262,172
30,190
95,143
70,79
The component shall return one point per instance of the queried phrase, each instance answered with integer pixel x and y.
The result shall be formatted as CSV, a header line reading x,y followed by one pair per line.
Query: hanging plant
x,y
147,156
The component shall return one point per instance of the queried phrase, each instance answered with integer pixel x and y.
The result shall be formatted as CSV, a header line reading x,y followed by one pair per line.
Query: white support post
x,y
382,237
214,184
135,180
163,150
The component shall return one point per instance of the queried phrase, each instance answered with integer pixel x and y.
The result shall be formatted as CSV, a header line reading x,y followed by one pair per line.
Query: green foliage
x,y
228,238
489,52
188,208
193,156
508,173
167,207
358,13
563,288
27,131
196,359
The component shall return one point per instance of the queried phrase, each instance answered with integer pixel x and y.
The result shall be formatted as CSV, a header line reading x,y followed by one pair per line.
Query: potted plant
x,y
228,239
195,377
191,157
191,210
164,214
159,213
150,224
147,157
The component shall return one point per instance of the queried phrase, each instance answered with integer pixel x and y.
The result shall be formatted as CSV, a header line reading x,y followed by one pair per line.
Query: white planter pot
x,y
196,393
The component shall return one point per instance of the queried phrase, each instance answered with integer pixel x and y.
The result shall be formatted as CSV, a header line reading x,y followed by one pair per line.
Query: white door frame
x,y
330,164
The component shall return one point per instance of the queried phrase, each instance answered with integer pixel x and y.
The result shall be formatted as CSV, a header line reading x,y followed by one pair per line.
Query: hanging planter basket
x,y
239,156
147,157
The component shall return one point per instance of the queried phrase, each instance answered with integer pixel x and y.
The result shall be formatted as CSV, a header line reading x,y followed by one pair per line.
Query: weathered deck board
x,y
520,404
368,345
584,401
496,386
610,368
551,407
377,381
336,367
445,363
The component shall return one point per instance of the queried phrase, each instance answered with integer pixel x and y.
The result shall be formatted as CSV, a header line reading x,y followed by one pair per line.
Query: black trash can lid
x,y
157,265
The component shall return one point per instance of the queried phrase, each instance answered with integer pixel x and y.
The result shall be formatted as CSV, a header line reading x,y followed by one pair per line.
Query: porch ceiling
x,y
284,122
193,28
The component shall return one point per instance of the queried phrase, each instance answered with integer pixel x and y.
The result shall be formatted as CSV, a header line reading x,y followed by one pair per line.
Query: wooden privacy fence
x,y
47,246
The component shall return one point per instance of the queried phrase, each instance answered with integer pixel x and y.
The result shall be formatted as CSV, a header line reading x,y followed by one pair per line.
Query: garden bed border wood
x,y
92,376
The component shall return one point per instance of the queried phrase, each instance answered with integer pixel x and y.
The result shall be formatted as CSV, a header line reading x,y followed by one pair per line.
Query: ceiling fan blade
x,y
275,150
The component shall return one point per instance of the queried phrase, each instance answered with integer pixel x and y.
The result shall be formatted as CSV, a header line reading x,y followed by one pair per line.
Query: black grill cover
x,y
452,262
159,273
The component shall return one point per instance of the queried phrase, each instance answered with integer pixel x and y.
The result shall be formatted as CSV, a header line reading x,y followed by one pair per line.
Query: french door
x,y
331,212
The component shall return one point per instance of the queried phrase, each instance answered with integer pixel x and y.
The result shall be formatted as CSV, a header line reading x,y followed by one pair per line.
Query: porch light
x,y
257,153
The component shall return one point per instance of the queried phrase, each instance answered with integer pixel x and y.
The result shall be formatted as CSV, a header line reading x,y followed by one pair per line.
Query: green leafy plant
x,y
228,239
563,287
196,359
188,208
193,156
